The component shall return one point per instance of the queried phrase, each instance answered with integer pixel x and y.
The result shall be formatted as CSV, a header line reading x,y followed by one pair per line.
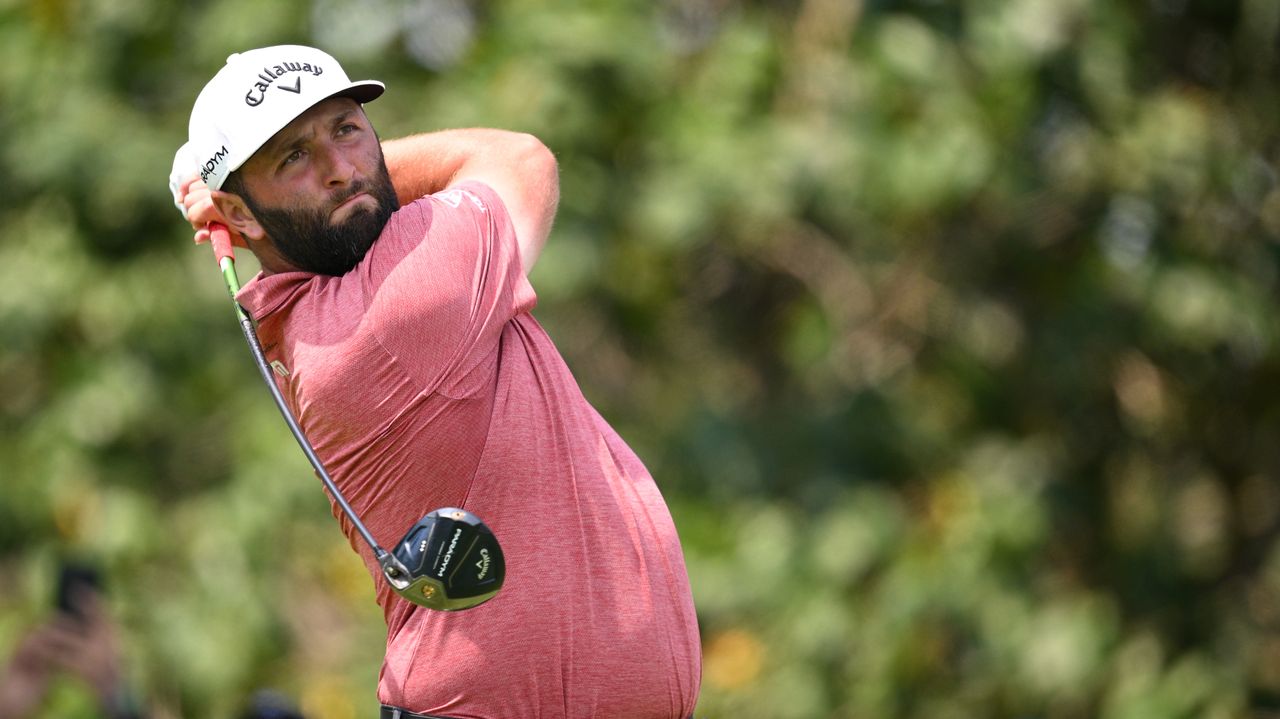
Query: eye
x,y
291,158
347,128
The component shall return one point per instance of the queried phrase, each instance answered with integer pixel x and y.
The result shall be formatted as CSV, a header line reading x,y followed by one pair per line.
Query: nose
x,y
338,170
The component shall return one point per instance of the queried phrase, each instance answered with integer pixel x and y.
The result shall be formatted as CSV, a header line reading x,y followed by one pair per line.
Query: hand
x,y
198,205
95,657
24,682
82,644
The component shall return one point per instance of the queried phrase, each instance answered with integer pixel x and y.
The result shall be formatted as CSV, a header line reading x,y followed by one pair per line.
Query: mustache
x,y
355,188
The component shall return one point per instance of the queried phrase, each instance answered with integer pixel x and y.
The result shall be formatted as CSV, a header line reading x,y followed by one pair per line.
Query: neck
x,y
269,257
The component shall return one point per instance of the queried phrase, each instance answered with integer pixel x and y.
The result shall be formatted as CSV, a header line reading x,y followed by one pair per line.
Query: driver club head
x,y
449,560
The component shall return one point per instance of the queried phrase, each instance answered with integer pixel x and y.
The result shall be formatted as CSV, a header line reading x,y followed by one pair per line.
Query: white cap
x,y
253,97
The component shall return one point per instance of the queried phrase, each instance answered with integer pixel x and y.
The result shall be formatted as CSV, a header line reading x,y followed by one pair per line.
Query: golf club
x,y
449,559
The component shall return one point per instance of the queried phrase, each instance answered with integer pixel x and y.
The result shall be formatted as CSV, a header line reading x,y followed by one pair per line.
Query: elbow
x,y
542,173
539,163
540,196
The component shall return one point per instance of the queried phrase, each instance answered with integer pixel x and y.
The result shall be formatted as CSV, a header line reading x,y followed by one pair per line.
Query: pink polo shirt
x,y
423,381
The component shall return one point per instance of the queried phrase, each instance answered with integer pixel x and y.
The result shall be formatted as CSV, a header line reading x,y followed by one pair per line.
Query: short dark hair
x,y
235,184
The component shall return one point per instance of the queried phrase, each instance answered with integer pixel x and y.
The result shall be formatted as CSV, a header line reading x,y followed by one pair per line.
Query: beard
x,y
309,241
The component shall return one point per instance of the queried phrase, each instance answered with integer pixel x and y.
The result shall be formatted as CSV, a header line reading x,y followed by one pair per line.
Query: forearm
x,y
516,165
429,162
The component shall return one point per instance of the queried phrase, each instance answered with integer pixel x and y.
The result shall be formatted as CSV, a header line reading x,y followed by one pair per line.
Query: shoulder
x,y
468,197
479,195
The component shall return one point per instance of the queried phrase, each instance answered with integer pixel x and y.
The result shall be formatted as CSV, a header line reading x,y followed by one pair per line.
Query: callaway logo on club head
x,y
269,75
483,564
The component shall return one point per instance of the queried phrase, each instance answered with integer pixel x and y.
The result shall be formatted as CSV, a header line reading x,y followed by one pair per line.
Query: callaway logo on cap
x,y
253,97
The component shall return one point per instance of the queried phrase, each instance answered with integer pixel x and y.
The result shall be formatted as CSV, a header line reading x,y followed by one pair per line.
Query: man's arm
x,y
517,166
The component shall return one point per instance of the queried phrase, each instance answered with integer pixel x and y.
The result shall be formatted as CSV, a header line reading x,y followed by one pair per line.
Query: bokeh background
x,y
947,328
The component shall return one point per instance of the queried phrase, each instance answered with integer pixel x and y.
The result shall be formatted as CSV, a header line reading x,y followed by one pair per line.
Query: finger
x,y
58,638
190,183
35,649
181,189
193,200
196,192
201,236
202,212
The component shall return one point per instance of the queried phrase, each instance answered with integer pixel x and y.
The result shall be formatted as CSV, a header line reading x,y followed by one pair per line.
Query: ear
x,y
238,215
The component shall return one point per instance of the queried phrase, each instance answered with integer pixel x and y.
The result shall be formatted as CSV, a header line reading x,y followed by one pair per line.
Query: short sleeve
x,y
442,282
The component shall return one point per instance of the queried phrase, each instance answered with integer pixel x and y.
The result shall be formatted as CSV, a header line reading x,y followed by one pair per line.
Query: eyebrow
x,y
281,145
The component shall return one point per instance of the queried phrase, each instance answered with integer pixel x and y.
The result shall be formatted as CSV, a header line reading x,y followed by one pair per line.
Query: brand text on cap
x,y
212,163
258,93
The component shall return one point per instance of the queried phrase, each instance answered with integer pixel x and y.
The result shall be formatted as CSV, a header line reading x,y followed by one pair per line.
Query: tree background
x,y
947,328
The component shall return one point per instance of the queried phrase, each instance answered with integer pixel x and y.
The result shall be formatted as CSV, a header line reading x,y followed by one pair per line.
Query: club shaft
x,y
264,369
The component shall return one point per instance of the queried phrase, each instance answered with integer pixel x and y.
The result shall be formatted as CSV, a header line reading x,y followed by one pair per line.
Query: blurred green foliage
x,y
948,329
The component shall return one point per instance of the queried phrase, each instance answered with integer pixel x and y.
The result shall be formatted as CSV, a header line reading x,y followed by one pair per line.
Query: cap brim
x,y
363,91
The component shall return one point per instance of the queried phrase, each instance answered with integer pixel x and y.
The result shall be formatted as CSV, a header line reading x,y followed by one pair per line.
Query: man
x,y
403,341
78,641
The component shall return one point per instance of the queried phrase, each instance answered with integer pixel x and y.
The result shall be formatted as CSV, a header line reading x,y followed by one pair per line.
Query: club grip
x,y
220,238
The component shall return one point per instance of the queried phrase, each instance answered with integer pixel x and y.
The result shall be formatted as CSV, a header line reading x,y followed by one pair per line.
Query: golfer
x,y
394,307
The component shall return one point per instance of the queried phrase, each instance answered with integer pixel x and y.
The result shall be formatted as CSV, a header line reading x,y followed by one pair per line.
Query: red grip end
x,y
220,238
